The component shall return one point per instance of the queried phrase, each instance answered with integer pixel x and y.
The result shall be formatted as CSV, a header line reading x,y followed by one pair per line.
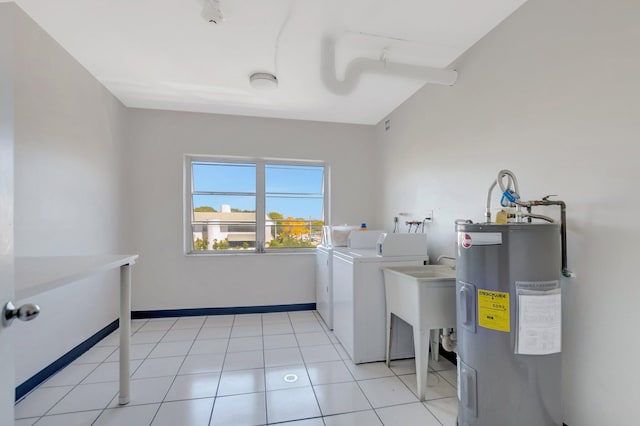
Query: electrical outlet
x,y
429,216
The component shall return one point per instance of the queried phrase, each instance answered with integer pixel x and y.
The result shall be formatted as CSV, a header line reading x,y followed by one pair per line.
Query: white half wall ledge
x,y
359,66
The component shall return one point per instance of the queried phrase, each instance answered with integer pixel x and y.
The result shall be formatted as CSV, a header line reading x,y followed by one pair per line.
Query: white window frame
x,y
260,163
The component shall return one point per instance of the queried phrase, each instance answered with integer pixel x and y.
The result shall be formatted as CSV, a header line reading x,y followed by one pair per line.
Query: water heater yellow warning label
x,y
493,310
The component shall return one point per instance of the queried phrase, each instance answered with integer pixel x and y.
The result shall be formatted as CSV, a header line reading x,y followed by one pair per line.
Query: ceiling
x,y
163,54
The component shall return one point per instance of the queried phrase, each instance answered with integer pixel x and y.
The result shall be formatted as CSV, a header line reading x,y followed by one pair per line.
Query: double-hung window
x,y
253,205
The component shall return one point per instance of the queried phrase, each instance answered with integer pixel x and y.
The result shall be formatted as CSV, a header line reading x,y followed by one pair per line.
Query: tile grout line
x,y
265,367
104,361
76,385
356,381
136,369
407,386
40,386
365,396
360,388
224,359
306,369
264,370
73,386
326,333
177,371
142,362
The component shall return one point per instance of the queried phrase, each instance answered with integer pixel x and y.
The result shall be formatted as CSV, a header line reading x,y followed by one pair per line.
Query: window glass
x,y
224,177
225,213
280,178
296,207
223,203
221,236
294,201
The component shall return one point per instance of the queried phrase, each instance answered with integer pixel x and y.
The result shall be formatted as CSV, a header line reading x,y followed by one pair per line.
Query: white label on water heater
x,y
539,324
468,239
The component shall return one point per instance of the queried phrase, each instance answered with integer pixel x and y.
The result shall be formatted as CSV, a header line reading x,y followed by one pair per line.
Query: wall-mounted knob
x,y
25,312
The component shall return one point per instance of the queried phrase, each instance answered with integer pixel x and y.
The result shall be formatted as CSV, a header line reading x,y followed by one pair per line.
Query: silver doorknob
x,y
25,312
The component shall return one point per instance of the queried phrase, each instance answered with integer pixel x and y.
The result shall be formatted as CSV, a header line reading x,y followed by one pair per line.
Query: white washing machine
x,y
359,307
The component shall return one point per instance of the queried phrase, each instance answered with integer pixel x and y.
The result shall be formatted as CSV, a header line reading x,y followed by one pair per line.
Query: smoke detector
x,y
211,11
263,81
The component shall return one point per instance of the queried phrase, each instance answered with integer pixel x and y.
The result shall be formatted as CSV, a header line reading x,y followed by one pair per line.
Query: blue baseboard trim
x,y
167,313
64,360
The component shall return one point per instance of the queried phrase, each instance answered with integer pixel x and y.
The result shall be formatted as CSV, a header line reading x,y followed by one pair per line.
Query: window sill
x,y
266,253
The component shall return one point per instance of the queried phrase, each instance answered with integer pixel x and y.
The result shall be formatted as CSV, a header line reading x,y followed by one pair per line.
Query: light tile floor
x,y
255,369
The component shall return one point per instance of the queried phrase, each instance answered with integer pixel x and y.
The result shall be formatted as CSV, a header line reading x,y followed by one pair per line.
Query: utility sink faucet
x,y
442,256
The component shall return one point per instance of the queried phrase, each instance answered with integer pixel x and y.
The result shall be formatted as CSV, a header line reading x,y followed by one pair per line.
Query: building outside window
x,y
241,205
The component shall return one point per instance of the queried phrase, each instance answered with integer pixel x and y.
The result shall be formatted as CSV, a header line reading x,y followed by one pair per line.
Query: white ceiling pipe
x,y
359,66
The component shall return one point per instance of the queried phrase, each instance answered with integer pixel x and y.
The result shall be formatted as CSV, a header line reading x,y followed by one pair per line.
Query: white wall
x,y
551,94
68,189
165,278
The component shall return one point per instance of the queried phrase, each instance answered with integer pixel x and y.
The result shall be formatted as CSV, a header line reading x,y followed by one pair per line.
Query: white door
x,y
7,369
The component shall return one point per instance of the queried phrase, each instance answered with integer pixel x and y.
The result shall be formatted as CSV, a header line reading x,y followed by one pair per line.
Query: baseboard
x,y
66,359
193,312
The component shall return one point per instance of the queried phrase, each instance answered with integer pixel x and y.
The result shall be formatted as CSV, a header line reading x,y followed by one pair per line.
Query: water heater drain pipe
x,y
449,341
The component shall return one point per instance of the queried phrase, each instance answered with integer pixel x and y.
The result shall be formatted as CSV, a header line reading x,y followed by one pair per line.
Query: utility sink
x,y
425,297
426,272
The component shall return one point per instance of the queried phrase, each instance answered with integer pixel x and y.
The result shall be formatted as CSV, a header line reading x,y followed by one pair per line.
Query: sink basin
x,y
424,273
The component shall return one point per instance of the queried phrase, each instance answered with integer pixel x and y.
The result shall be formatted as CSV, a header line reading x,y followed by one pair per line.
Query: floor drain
x,y
290,378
